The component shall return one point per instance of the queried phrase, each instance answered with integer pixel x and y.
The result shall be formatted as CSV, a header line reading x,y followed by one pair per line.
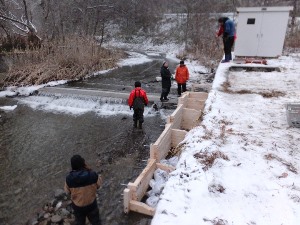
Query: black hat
x,y
181,62
137,84
77,162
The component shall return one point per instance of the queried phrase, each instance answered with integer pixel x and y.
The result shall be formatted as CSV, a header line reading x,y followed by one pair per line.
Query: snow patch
x,y
134,58
8,108
241,166
28,90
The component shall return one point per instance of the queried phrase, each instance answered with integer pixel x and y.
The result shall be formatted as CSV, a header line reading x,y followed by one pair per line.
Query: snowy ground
x,y
241,166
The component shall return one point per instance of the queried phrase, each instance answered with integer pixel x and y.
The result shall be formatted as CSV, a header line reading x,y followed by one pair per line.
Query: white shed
x,y
261,31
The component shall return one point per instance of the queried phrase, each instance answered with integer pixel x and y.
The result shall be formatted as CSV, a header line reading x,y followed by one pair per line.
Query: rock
x,y
63,212
45,222
18,191
58,205
53,203
47,215
69,221
59,194
56,219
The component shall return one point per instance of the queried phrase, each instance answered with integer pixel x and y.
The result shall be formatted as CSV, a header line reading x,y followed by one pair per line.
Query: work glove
x,y
130,107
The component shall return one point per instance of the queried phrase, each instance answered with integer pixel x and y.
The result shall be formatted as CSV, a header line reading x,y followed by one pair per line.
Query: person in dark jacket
x,y
137,100
82,183
165,81
228,30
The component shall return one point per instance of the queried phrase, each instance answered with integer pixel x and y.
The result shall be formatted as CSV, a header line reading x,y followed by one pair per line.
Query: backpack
x,y
138,102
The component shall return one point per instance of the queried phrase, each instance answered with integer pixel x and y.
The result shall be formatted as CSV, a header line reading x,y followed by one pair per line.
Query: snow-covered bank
x,y
241,166
134,58
28,90
8,107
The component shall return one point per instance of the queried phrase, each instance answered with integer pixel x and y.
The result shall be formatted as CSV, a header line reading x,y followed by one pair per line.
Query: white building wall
x,y
261,31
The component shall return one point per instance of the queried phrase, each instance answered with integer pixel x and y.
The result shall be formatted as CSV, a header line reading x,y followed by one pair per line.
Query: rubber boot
x,y
140,126
135,124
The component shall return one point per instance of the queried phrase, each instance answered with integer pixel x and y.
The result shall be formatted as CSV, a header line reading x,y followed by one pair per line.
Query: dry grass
x,y
266,94
292,41
71,59
288,165
216,221
208,158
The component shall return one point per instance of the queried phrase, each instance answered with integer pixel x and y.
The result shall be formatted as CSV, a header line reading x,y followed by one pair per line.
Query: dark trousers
x,y
164,93
138,115
181,87
93,216
228,43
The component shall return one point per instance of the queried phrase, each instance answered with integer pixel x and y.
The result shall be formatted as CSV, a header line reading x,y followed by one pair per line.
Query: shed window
x,y
251,21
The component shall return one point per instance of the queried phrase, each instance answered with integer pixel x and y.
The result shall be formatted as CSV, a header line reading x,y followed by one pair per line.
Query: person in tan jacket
x,y
82,183
181,76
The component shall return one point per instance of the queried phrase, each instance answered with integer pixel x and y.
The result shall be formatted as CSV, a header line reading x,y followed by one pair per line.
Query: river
x,y
38,138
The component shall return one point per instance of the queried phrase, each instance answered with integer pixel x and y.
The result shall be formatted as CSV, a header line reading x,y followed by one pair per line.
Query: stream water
x,y
38,138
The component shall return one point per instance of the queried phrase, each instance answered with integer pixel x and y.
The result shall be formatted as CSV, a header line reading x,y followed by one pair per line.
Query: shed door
x,y
248,34
272,34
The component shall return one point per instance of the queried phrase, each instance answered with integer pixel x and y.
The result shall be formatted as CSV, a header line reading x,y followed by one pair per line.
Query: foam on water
x,y
77,106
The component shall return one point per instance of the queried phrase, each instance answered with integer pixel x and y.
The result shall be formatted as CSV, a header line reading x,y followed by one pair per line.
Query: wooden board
x,y
177,136
194,103
176,117
190,118
199,95
183,99
127,199
166,168
161,147
141,207
141,183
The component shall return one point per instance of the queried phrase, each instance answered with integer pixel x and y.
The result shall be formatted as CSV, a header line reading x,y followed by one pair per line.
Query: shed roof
x,y
268,9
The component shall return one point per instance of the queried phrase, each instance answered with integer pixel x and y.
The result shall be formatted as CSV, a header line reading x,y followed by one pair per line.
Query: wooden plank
x,y
168,120
190,118
177,136
176,117
127,199
142,182
164,143
154,151
141,207
183,99
194,103
199,95
166,168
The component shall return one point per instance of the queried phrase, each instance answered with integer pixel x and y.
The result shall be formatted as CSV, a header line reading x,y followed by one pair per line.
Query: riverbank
x,y
241,165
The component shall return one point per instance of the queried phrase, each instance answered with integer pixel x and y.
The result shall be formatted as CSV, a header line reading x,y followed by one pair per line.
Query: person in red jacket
x,y
181,76
137,100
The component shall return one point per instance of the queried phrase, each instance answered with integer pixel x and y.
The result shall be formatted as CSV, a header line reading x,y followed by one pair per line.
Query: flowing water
x,y
38,138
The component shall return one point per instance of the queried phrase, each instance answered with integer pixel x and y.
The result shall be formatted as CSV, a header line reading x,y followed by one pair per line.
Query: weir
x,y
186,116
96,94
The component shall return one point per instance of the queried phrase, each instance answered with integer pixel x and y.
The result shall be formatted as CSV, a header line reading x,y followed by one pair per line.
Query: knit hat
x,y
164,63
77,162
181,62
137,84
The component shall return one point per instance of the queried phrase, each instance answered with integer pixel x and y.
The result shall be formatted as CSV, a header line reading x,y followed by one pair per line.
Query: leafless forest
x,y
55,39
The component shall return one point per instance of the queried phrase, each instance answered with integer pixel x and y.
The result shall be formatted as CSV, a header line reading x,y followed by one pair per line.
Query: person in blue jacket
x,y
228,36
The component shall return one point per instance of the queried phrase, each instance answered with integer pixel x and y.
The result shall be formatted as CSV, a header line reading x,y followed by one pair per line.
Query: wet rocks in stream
x,y
58,211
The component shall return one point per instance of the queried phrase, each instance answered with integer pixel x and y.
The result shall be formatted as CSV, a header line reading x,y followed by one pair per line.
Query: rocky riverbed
x,y
58,211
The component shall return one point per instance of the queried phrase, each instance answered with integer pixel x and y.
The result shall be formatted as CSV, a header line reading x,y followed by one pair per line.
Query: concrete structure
x,y
261,31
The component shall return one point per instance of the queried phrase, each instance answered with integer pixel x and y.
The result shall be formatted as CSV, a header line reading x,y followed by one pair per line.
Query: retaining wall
x,y
186,116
